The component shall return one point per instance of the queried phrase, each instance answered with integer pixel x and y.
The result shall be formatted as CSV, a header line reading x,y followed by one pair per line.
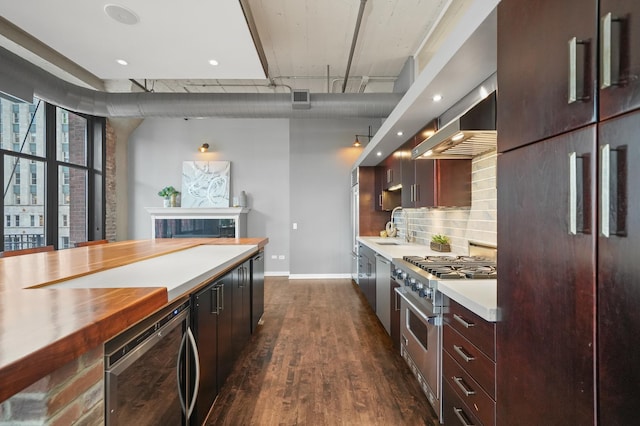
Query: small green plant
x,y
168,191
440,239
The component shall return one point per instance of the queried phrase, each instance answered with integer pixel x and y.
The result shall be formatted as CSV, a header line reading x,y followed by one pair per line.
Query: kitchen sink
x,y
387,243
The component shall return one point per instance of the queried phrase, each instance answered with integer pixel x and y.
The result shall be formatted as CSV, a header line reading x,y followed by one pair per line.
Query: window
x,y
41,136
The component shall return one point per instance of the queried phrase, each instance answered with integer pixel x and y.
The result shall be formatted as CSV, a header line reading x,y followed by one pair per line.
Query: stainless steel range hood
x,y
470,135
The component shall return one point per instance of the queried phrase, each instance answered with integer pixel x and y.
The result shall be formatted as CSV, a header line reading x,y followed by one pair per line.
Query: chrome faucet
x,y
407,229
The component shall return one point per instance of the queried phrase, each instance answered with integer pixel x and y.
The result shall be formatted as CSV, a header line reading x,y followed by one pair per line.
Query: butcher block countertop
x,y
51,311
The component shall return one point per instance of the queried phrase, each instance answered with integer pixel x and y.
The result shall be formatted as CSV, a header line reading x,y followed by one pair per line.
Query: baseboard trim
x,y
318,276
276,274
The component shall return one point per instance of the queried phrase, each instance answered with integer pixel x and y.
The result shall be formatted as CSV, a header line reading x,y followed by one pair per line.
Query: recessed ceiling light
x,y
379,154
437,98
400,133
428,153
483,92
121,14
213,62
122,62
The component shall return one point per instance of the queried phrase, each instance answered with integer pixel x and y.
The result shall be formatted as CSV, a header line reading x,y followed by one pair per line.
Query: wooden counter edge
x,y
38,364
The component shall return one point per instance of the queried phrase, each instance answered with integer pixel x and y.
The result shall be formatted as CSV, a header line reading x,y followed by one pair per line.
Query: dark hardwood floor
x,y
320,358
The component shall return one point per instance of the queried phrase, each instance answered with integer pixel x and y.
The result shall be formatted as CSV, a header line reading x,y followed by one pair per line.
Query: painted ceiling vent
x,y
300,99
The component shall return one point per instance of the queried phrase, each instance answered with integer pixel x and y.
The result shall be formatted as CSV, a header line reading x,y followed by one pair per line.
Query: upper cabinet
x,y
546,72
392,171
433,182
619,57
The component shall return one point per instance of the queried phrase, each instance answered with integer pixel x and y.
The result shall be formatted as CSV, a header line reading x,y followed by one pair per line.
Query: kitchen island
x,y
45,326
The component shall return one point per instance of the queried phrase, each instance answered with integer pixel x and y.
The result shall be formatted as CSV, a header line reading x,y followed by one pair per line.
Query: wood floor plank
x,y
320,358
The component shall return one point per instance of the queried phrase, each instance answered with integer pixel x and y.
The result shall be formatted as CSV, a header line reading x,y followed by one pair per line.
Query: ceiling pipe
x,y
353,43
52,89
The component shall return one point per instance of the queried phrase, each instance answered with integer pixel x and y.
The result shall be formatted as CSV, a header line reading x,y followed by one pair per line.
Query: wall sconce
x,y
204,147
357,143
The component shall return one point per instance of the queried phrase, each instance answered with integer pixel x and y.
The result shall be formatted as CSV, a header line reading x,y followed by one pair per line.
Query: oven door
x,y
421,335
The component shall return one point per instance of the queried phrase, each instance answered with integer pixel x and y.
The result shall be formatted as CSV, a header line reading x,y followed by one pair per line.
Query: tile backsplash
x,y
461,225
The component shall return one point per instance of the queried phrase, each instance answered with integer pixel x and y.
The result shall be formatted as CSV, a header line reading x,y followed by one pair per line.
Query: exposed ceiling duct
x,y
140,105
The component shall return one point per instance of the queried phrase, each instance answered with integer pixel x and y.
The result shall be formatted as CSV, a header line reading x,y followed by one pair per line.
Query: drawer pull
x,y
463,321
462,417
463,386
459,350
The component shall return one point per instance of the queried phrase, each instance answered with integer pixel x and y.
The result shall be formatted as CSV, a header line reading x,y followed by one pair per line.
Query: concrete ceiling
x,y
305,43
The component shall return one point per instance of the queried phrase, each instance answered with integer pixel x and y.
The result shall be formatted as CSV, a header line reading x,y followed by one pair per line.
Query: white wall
x,y
292,170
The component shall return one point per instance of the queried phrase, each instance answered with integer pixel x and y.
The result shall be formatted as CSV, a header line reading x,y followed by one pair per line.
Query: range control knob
x,y
427,293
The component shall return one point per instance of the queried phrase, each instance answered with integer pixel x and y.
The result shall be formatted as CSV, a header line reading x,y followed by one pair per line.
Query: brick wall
x,y
73,394
477,223
110,183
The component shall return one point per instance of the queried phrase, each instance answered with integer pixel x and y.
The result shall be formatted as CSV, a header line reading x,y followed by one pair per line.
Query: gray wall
x,y
321,163
292,170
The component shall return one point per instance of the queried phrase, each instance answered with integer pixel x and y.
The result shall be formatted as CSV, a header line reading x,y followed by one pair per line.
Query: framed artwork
x,y
205,183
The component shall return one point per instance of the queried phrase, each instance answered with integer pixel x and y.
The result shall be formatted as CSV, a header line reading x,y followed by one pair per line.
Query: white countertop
x,y
192,267
479,296
397,247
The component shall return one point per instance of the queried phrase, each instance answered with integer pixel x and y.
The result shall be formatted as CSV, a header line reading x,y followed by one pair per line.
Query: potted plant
x,y
170,194
440,243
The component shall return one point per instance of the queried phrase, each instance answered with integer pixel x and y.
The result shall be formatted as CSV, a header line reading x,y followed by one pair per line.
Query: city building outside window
x,y
56,147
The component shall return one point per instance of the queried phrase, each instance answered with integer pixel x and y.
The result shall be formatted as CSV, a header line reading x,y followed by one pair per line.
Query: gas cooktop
x,y
455,267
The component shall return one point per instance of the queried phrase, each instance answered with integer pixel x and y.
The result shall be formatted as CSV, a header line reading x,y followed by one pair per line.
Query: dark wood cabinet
x,y
392,167
619,272
433,182
546,286
386,200
212,322
371,220
546,290
468,366
620,70
241,307
534,50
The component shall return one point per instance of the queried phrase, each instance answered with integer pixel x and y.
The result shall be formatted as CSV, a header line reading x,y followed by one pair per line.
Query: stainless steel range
x,y
422,309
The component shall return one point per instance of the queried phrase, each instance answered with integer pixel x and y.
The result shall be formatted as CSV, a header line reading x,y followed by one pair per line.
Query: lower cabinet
x,y
221,322
212,324
468,368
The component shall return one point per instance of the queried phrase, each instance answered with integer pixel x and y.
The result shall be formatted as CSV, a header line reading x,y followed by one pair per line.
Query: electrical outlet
x,y
295,225
273,256
281,257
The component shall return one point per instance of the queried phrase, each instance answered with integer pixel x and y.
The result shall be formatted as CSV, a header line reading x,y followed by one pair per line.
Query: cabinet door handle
x,y
605,181
613,191
459,350
574,78
212,299
416,192
221,297
462,321
380,200
459,412
606,52
463,386
573,194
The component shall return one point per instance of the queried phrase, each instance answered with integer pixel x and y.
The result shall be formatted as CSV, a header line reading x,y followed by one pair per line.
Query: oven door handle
x,y
431,319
